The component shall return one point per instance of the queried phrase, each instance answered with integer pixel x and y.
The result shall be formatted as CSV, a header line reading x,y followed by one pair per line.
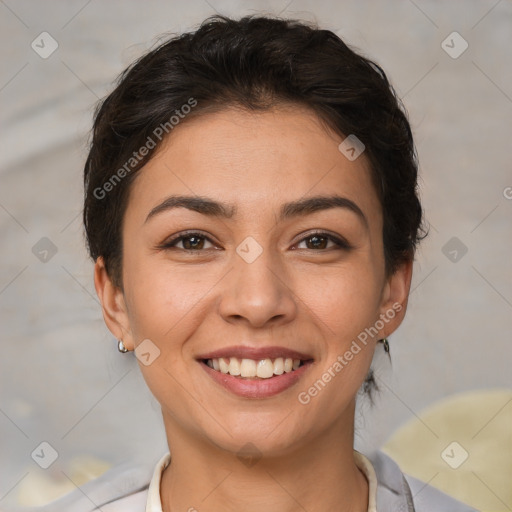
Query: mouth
x,y
255,372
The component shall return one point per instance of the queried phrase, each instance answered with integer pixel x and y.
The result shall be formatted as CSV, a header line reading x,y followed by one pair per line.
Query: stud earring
x,y
121,347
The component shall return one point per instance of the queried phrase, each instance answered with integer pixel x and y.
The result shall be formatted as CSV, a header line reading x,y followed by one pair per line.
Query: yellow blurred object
x,y
463,446
41,487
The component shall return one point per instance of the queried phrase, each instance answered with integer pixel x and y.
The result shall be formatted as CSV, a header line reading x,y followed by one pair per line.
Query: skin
x,y
313,298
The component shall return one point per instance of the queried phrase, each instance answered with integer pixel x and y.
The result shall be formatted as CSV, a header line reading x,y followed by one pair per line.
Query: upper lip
x,y
256,353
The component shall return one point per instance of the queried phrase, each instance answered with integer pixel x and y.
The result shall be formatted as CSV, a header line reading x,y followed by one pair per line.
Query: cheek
x,y
163,299
346,300
166,307
346,305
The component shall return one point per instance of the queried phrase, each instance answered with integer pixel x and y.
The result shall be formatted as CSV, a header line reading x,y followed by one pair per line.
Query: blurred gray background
x,y
61,378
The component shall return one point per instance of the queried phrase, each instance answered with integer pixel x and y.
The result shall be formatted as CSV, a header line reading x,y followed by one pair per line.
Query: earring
x,y
121,347
385,342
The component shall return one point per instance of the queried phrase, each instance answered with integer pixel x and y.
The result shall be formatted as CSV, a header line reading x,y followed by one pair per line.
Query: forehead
x,y
253,159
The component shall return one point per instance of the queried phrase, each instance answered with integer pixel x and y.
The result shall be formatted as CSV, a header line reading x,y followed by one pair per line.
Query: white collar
x,y
154,502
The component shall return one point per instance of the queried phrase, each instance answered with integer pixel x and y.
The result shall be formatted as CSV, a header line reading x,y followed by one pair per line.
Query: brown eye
x,y
189,242
320,241
193,242
317,242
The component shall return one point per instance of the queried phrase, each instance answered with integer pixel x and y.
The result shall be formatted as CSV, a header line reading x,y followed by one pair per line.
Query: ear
x,y
113,305
395,296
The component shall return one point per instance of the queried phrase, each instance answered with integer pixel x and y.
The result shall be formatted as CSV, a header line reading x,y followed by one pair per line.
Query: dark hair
x,y
254,63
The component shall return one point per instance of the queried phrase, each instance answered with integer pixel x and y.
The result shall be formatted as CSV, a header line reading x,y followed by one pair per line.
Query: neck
x,y
319,475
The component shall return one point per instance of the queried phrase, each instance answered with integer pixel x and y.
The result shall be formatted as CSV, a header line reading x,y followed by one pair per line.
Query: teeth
x,y
224,365
234,366
265,369
279,366
250,368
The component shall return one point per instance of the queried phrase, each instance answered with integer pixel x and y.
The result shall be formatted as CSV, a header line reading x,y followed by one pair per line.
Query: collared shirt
x,y
154,503
136,488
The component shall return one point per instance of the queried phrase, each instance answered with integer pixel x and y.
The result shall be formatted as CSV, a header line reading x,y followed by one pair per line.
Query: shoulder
x,y
127,487
120,489
399,492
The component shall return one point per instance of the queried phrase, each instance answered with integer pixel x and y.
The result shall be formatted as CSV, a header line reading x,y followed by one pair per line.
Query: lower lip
x,y
257,388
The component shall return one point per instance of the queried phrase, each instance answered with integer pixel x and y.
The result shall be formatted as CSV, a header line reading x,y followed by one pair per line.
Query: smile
x,y
255,372
253,368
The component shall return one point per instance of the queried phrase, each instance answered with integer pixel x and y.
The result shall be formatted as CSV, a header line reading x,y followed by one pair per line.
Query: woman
x,y
251,207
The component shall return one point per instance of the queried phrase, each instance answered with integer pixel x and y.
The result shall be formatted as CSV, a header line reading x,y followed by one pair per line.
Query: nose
x,y
257,293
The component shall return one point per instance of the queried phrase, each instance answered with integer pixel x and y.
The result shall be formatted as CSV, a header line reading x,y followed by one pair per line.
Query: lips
x,y
256,353
255,372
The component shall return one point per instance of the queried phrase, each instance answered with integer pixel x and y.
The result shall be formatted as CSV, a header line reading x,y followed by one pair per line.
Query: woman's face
x,y
261,273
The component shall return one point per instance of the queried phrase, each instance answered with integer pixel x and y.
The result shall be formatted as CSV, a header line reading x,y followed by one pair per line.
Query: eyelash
x,y
339,242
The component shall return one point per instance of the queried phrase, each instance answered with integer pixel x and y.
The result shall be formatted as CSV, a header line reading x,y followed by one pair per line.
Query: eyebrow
x,y
301,207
